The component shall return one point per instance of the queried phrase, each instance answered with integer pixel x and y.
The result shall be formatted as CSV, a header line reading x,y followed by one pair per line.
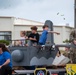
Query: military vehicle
x,y
29,56
36,56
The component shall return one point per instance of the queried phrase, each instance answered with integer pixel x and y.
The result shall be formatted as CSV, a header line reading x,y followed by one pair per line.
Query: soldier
x,y
71,51
72,54
73,34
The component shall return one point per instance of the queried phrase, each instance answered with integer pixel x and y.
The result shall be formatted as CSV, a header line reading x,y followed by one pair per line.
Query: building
x,y
64,33
10,28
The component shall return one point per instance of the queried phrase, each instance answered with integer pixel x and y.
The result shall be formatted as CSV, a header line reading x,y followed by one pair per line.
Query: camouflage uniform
x,y
72,53
72,35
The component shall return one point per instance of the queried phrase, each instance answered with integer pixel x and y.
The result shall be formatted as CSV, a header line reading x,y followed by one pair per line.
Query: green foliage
x,y
66,41
4,42
68,74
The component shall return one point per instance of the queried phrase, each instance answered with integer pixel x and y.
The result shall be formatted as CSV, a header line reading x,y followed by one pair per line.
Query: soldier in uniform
x,y
72,53
72,35
72,50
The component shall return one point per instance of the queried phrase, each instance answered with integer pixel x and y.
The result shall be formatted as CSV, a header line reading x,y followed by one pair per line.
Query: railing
x,y
50,71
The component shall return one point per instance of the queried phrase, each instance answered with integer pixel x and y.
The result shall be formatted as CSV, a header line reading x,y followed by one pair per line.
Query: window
x,y
28,32
5,35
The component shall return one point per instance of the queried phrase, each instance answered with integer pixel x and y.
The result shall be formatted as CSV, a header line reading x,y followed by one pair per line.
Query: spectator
x,y
5,61
22,39
33,38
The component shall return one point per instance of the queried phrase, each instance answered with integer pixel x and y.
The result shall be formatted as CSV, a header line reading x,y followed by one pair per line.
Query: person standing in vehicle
x,y
22,40
33,37
43,36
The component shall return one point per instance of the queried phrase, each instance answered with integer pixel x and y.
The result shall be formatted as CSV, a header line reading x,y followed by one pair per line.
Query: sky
x,y
60,12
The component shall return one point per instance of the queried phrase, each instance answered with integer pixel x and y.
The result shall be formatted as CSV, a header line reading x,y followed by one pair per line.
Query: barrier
x,y
51,71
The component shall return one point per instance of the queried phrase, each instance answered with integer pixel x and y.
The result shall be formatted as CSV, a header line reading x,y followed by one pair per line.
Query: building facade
x,y
10,28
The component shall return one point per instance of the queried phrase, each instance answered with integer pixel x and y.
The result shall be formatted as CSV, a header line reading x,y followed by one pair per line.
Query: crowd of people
x,y
34,38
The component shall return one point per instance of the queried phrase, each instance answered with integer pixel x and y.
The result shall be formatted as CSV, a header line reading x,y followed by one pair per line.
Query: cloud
x,y
40,10
6,4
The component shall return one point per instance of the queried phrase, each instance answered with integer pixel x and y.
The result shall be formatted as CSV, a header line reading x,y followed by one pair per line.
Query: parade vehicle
x,y
40,57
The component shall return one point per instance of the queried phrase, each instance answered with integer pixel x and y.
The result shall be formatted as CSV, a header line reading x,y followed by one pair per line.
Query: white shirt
x,y
22,39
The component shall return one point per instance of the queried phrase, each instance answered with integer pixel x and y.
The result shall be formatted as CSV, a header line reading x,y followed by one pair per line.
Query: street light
x,y
74,13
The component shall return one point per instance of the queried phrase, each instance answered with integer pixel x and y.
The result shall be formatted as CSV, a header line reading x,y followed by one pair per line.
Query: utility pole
x,y
74,13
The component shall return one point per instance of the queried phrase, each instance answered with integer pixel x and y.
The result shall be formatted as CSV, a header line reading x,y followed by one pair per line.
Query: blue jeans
x,y
30,43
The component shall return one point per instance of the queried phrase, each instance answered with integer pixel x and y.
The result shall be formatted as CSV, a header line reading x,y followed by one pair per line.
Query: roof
x,y
39,23
30,20
63,26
